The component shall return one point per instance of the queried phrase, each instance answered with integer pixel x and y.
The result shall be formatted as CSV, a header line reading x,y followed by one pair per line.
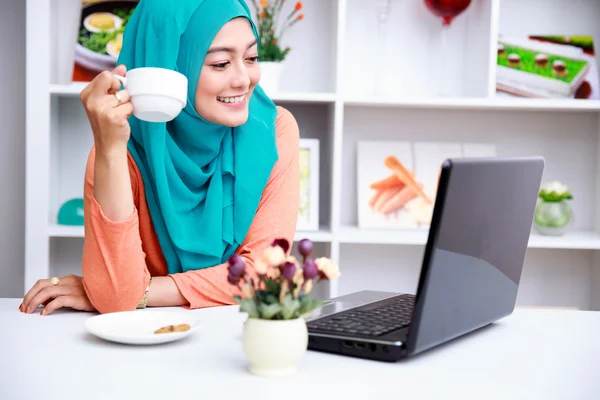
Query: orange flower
x,y
300,17
263,3
299,6
274,41
263,15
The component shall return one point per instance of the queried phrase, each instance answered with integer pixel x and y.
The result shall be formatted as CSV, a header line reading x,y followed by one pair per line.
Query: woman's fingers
x,y
59,302
45,295
105,82
120,98
35,289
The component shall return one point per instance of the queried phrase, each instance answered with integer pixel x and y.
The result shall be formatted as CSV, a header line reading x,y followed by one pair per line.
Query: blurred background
x,y
369,81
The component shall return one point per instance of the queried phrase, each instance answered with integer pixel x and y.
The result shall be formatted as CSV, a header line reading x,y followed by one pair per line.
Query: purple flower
x,y
236,266
283,243
305,247
234,280
288,270
310,269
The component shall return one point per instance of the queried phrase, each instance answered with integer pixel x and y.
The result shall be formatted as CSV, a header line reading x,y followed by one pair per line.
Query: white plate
x,y
137,327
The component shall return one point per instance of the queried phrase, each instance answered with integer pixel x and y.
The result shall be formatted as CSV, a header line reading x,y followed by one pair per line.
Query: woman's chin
x,y
232,119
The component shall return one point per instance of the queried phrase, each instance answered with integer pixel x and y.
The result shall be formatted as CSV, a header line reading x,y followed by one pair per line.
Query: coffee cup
x,y
157,94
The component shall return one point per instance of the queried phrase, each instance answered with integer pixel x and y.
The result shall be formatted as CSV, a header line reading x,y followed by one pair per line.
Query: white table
x,y
532,354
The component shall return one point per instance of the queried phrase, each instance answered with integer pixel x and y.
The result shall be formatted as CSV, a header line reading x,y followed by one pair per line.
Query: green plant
x,y
279,286
268,14
554,192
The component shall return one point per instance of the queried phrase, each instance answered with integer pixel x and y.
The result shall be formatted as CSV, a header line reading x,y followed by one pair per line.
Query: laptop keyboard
x,y
367,320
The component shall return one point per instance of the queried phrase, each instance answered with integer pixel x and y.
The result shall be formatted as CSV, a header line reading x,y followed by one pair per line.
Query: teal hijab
x,y
203,181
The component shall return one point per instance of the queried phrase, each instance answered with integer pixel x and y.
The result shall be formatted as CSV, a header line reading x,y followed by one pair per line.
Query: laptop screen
x,y
476,248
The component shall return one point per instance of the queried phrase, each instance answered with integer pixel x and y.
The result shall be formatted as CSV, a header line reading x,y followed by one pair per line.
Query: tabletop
x,y
531,354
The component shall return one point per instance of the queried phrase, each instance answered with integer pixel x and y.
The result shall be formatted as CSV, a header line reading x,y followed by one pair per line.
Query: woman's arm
x,y
114,270
276,217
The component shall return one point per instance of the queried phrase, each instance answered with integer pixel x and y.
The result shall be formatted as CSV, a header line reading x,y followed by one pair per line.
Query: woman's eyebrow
x,y
228,49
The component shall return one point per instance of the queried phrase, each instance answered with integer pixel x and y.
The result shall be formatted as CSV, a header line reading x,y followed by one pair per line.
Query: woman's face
x,y
229,75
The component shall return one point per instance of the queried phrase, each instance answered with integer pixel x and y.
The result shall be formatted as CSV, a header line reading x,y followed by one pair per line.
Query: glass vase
x,y
553,217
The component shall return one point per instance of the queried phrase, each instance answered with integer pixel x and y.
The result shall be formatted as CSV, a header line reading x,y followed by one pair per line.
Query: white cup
x,y
157,94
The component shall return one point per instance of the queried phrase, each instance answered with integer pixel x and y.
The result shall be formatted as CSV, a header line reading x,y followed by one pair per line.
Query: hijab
x,y
203,181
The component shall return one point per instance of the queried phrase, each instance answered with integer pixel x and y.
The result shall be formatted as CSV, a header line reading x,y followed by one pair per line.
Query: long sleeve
x,y
114,271
276,217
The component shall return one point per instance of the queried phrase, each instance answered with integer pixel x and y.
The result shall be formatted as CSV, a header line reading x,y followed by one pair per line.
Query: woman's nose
x,y
241,78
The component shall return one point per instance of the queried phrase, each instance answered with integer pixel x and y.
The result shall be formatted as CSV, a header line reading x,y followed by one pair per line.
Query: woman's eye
x,y
221,65
253,59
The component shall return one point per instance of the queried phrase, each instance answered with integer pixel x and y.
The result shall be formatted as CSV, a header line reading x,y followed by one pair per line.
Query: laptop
x,y
470,272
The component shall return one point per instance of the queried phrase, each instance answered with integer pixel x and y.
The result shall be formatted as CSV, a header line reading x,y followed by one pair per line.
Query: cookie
x,y
173,328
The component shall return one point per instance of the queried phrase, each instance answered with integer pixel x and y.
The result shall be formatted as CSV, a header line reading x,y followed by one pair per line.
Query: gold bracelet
x,y
144,302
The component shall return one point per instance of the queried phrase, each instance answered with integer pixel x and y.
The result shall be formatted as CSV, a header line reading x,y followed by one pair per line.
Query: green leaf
x,y
249,306
266,297
290,307
308,304
555,197
268,311
272,286
237,299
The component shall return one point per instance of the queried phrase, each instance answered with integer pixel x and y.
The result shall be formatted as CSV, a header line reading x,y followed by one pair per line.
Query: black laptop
x,y
470,273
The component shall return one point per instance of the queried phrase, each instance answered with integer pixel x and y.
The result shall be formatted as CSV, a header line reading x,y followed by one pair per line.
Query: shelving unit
x,y
329,86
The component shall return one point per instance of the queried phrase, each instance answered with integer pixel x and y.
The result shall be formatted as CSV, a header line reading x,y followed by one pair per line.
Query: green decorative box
x,y
71,212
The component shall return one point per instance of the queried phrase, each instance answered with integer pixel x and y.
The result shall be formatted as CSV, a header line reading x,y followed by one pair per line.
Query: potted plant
x,y
271,52
275,294
553,213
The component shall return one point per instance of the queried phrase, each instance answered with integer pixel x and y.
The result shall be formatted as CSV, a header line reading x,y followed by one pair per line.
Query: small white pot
x,y
270,76
274,347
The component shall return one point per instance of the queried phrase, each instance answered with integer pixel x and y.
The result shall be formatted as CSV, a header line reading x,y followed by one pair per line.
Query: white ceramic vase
x,y
270,76
274,347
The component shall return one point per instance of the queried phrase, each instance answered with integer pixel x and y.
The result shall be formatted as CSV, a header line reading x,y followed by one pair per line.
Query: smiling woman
x,y
167,204
229,75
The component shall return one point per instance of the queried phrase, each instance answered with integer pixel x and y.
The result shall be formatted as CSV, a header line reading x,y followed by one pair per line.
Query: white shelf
x,y
64,231
72,89
441,103
322,235
300,97
574,240
56,230
355,235
75,88
452,103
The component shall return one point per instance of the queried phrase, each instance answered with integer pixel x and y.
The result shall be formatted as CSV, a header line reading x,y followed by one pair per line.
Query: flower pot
x,y
270,76
274,347
553,217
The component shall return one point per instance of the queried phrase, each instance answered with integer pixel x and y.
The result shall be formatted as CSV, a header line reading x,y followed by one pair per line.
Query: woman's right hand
x,y
108,116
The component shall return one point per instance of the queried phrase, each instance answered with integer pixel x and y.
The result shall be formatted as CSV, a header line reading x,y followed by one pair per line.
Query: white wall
x,y
12,146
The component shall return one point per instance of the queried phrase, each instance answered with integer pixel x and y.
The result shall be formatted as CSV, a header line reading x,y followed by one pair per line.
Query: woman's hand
x,y
108,109
68,293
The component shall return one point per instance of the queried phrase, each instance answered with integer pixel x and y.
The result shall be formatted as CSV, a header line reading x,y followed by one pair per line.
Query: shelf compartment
x,y
554,17
567,141
405,55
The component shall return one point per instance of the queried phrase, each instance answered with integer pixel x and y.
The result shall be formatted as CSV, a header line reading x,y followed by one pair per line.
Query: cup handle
x,y
121,79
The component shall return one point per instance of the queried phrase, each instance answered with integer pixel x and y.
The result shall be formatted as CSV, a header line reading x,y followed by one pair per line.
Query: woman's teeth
x,y
232,99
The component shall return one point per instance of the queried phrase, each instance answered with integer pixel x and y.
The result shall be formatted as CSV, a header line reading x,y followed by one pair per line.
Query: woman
x,y
173,201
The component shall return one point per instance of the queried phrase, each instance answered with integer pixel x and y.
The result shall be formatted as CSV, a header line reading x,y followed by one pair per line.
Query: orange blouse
x,y
119,257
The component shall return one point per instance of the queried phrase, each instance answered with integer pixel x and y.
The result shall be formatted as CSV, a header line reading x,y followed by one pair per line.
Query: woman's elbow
x,y
107,298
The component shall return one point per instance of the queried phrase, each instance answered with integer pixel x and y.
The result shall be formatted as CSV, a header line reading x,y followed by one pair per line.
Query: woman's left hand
x,y
68,292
